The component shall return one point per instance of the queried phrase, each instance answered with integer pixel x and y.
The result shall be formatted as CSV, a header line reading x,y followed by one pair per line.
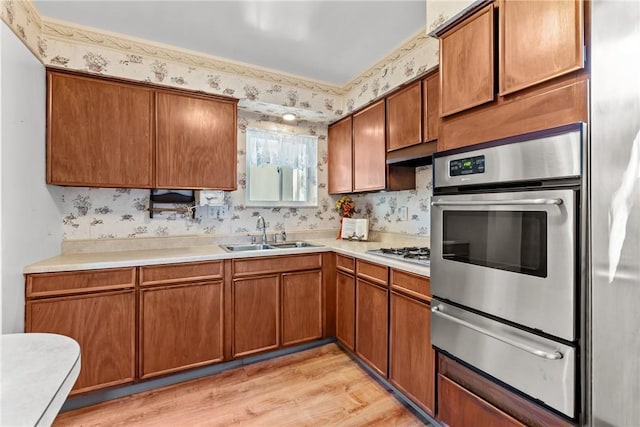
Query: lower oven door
x,y
539,367
511,255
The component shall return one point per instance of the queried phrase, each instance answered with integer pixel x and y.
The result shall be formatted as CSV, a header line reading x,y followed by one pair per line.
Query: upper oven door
x,y
511,255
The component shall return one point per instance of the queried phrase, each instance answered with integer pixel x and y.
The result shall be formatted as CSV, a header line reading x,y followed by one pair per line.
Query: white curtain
x,y
266,147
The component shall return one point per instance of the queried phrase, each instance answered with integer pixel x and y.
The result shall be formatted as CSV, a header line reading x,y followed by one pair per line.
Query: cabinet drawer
x,y
251,266
411,284
77,282
346,263
459,407
373,272
189,272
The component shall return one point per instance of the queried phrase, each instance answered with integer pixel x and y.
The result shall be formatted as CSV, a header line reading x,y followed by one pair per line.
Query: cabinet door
x,y
301,307
345,309
404,117
180,327
412,359
466,64
255,315
371,325
369,149
539,40
459,407
340,157
99,132
431,107
195,142
104,326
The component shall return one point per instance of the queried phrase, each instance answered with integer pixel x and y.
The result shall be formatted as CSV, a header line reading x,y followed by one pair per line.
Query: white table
x,y
38,371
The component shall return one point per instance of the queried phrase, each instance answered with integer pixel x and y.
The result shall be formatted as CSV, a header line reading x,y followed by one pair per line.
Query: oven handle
x,y
540,353
522,202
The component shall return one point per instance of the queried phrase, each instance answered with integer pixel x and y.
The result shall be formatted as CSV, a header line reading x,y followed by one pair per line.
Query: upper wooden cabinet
x,y
430,107
195,142
467,64
99,133
369,149
540,81
539,40
340,157
357,155
404,117
105,132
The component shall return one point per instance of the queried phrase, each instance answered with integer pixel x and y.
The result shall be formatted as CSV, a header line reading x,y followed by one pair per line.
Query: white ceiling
x,y
330,41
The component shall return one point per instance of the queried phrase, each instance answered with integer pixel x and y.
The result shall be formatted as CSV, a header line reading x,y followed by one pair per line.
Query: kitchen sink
x,y
261,247
288,245
242,248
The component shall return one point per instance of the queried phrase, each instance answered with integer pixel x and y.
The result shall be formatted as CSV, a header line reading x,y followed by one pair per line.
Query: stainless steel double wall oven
x,y
506,257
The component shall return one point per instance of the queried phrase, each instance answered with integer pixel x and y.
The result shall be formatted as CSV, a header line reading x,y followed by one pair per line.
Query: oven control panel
x,y
466,166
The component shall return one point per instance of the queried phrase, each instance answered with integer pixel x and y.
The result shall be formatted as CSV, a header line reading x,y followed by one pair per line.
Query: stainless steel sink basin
x,y
260,247
288,245
241,248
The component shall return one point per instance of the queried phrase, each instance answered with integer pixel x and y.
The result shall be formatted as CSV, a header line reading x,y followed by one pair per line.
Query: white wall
x,y
31,226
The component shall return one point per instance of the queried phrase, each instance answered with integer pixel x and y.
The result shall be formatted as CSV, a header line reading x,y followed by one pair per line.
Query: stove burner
x,y
420,255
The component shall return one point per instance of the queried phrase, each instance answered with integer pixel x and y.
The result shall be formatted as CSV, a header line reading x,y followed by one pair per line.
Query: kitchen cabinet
x,y
430,107
195,141
467,398
413,115
372,299
357,155
106,132
467,63
345,300
95,308
404,117
256,317
539,41
369,150
181,320
459,407
411,357
301,307
99,132
277,301
538,80
340,157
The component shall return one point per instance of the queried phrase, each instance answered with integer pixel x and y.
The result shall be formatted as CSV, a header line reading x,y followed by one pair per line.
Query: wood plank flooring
x,y
317,387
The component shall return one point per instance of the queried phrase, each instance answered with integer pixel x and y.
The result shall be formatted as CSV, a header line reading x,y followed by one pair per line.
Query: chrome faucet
x,y
262,225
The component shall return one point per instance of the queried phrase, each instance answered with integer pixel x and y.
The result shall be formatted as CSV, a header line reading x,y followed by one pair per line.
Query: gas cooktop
x,y
413,254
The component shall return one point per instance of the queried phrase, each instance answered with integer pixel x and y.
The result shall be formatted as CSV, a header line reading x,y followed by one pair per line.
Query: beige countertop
x,y
134,252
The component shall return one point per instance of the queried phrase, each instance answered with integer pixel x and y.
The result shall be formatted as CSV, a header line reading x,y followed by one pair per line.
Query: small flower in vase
x,y
345,208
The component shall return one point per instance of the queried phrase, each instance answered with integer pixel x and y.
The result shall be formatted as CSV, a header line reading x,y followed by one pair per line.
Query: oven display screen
x,y
468,166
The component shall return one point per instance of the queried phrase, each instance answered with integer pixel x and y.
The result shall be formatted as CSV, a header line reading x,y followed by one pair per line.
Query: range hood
x,y
415,155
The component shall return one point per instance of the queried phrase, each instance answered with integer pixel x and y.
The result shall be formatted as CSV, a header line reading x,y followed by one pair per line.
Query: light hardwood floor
x,y
317,387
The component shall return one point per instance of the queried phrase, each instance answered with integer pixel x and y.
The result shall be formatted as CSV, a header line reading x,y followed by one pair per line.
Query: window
x,y
282,169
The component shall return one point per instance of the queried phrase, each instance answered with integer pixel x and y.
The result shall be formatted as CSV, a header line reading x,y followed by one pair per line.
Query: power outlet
x,y
403,213
217,212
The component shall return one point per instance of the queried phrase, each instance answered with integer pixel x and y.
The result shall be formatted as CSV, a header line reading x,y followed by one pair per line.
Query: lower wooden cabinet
x,y
181,327
301,307
104,326
372,324
256,307
411,357
459,407
345,309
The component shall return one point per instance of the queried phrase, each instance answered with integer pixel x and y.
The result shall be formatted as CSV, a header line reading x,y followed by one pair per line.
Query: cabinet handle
x,y
524,202
556,355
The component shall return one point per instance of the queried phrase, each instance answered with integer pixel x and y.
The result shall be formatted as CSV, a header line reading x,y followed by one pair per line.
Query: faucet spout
x,y
261,225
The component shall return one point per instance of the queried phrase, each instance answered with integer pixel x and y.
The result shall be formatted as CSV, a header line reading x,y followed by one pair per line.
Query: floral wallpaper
x,y
89,213
97,213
